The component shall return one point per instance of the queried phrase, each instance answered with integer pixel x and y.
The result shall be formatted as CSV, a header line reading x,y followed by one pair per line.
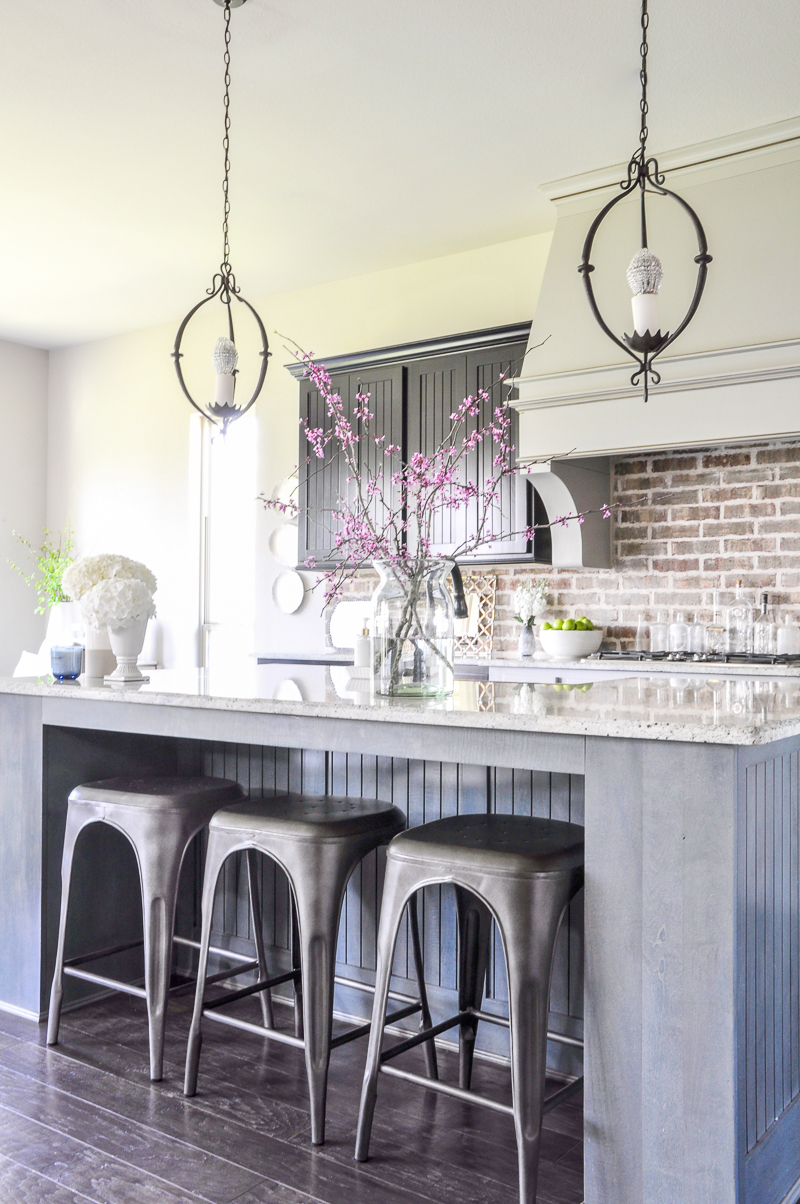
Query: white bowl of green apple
x,y
570,639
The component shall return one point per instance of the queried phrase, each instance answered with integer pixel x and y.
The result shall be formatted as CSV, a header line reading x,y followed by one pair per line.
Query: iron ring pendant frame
x,y
223,284
644,174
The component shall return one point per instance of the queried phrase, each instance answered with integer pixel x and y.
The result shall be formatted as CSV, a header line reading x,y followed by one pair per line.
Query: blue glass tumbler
x,y
65,661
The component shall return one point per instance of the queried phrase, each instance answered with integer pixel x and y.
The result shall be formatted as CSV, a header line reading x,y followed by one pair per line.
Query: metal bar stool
x,y
317,840
160,817
523,873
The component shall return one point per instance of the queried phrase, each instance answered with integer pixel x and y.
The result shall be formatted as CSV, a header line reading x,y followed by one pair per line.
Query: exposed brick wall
x,y
687,523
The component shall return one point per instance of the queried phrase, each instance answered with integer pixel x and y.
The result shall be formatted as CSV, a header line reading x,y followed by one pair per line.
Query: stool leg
x,y
73,828
529,921
474,935
318,912
258,937
429,1047
297,966
216,855
399,885
159,898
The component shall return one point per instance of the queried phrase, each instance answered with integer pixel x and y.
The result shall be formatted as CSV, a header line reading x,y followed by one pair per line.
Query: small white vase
x,y
126,644
527,642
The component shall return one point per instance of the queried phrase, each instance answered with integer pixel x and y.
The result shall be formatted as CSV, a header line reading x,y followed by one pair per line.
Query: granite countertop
x,y
726,709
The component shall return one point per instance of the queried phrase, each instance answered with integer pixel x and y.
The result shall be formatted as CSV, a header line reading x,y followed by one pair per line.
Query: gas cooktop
x,y
704,658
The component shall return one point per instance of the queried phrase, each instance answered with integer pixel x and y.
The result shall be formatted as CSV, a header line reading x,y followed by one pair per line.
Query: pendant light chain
x,y
643,105
226,143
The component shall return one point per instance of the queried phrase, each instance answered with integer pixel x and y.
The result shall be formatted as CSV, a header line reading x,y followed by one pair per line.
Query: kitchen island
x,y
688,789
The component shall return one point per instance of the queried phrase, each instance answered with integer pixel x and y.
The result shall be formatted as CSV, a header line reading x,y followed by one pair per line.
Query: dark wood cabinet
x,y
413,390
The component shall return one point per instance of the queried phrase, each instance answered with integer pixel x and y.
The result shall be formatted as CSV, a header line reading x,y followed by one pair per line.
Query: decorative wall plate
x,y
288,592
286,490
283,544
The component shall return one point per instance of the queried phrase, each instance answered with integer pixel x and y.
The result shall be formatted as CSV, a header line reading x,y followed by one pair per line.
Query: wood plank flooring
x,y
82,1123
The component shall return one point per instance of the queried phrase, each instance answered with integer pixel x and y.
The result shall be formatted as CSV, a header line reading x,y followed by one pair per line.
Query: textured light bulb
x,y
225,358
645,272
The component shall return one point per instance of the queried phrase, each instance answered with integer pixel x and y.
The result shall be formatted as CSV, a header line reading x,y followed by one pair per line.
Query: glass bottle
x,y
659,634
764,629
788,638
640,639
678,633
716,636
697,636
740,623
412,625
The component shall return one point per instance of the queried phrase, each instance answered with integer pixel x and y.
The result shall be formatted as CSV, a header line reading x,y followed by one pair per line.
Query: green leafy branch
x,y
50,559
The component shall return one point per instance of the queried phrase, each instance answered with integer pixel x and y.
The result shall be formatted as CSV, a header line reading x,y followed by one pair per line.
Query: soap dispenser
x,y
361,652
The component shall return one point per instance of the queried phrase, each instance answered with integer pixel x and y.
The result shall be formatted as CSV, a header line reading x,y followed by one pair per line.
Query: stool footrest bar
x,y
558,1097
425,1035
229,953
184,988
470,1097
90,957
265,983
258,1029
369,987
127,988
362,1029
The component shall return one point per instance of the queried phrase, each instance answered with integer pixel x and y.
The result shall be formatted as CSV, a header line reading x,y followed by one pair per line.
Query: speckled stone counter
x,y
723,708
689,790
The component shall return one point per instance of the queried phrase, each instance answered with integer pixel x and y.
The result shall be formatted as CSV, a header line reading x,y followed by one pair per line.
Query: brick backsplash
x,y
685,524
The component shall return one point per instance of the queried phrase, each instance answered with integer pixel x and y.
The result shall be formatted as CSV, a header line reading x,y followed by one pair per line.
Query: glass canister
x,y
412,629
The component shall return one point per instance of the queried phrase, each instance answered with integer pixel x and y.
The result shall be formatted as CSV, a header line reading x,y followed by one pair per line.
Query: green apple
x,y
558,624
545,627
569,625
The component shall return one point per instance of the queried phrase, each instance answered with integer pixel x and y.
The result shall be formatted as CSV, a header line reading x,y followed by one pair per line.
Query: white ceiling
x,y
366,134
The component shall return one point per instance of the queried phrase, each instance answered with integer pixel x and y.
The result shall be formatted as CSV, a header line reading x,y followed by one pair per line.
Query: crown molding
x,y
729,155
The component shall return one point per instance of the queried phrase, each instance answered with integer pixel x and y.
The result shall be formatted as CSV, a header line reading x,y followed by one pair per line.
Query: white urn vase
x,y
126,644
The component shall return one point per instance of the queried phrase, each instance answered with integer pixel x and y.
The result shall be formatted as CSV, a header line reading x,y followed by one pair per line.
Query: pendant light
x,y
225,407
645,272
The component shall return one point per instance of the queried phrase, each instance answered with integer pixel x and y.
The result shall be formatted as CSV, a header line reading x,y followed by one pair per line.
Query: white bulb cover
x,y
225,356
645,272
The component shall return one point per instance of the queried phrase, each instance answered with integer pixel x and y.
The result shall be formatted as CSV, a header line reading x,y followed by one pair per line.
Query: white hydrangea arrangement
x,y
530,600
112,591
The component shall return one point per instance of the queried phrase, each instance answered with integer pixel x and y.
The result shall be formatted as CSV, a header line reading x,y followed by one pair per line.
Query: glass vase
x,y
527,642
412,630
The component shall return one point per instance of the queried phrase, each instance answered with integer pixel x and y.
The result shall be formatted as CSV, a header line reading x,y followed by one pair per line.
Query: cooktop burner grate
x,y
704,658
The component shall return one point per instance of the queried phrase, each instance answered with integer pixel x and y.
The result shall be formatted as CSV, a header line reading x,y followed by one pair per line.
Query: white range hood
x,y
735,372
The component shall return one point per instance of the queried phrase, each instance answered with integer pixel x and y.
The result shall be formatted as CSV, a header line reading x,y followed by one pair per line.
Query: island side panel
x,y
660,1118
21,853
769,978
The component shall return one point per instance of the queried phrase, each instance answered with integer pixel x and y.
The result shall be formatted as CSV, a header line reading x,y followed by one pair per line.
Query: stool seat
x,y
159,794
494,844
312,817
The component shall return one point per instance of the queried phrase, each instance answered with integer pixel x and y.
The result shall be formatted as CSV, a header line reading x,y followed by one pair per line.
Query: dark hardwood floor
x,y
82,1122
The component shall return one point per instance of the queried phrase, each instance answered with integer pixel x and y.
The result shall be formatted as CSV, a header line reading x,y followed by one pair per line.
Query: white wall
x,y
123,462
23,414
122,459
